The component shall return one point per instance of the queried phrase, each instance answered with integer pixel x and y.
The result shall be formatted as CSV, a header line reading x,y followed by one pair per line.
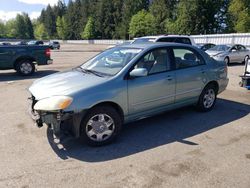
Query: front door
x,y
155,90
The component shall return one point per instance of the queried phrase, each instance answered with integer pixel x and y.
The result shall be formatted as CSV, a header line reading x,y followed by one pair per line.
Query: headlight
x,y
53,103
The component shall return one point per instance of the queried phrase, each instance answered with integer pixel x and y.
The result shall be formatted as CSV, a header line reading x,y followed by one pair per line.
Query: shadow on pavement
x,y
13,76
173,126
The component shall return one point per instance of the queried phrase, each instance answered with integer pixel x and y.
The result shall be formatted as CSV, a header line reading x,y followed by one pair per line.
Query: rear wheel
x,y
101,125
25,68
207,98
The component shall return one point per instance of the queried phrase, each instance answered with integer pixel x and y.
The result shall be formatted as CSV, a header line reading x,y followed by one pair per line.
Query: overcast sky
x,y
10,8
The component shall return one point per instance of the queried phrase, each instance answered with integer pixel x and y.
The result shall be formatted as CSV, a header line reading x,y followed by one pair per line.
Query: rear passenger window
x,y
186,58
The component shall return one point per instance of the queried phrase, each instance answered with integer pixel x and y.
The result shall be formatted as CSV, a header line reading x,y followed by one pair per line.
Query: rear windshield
x,y
142,40
182,40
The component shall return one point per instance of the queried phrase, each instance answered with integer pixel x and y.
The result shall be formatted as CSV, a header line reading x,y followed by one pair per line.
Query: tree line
x,y
124,19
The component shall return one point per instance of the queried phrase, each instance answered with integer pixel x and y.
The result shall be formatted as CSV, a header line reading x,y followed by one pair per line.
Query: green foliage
x,y
161,10
142,24
29,31
61,27
11,31
40,32
239,11
89,30
197,17
2,30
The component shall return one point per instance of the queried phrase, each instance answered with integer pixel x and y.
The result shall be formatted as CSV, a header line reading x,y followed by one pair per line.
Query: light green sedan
x,y
124,84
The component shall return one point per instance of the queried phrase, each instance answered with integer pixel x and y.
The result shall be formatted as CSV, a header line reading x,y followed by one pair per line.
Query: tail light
x,y
47,52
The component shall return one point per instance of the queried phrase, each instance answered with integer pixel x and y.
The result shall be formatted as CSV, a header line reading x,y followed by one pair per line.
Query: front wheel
x,y
25,68
100,126
207,98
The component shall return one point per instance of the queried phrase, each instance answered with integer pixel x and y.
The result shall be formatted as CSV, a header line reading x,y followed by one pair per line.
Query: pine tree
x,y
29,27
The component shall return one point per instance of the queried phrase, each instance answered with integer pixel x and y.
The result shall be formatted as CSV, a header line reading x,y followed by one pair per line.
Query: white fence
x,y
238,38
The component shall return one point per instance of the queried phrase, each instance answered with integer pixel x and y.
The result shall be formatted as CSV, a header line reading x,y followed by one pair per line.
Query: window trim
x,y
172,65
186,48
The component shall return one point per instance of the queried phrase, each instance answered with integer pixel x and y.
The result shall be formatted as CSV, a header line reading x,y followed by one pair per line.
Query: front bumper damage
x,y
59,121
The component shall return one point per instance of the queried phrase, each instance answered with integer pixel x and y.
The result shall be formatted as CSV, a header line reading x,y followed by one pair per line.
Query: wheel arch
x,y
215,84
22,58
112,104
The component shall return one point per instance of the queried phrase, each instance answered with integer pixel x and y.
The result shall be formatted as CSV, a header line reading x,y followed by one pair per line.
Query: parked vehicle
x,y
183,39
229,53
35,42
5,44
124,84
54,45
24,58
21,43
205,46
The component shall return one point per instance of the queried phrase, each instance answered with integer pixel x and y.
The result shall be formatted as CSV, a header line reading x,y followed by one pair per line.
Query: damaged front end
x,y
60,121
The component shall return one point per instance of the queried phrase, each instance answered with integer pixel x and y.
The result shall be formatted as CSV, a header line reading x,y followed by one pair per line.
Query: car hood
x,y
64,83
214,53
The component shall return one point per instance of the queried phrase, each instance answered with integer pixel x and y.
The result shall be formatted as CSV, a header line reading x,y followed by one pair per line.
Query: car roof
x,y
160,36
149,45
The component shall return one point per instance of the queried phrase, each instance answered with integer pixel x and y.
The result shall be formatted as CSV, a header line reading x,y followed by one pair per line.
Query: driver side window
x,y
155,61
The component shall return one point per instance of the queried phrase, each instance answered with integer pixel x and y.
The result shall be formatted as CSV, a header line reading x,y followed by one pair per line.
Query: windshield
x,y
220,48
111,61
142,40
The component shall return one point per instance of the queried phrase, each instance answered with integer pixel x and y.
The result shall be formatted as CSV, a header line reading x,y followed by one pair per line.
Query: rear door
x,y
191,74
155,90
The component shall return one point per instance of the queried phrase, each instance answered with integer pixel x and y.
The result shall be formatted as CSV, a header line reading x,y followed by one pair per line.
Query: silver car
x,y
229,53
124,84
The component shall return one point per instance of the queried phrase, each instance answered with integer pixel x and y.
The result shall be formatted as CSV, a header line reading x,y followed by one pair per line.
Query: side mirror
x,y
139,72
233,50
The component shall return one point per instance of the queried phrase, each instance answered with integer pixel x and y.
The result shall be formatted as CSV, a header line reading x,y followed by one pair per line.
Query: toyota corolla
x,y
124,84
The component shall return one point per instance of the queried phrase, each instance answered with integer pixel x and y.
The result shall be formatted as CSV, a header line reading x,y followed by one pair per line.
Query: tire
x,y
25,68
227,60
245,59
207,98
100,126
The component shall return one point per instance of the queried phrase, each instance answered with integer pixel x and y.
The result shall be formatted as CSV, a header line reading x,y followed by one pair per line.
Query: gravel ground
x,y
182,148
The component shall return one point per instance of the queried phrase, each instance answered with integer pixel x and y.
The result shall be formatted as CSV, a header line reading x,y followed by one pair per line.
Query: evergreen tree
x,y
73,20
21,29
50,22
29,27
